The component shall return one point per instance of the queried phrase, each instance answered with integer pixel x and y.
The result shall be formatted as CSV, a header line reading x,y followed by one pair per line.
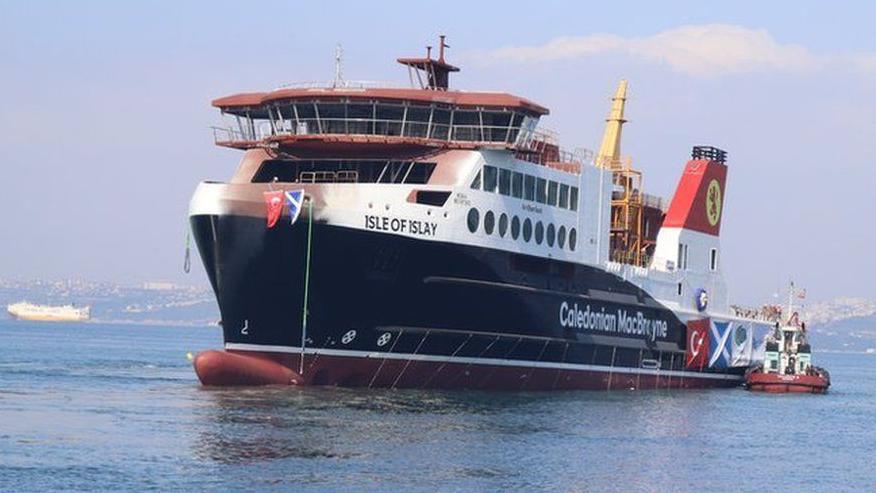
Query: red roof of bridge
x,y
457,98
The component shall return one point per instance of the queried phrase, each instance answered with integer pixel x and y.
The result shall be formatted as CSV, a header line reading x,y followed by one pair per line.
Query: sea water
x,y
89,407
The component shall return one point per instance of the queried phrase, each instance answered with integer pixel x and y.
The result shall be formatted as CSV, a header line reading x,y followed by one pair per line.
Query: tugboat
x,y
787,364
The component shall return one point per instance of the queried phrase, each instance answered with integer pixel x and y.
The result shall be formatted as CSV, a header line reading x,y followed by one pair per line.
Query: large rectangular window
x,y
517,185
529,188
573,198
490,178
541,190
504,181
553,188
564,196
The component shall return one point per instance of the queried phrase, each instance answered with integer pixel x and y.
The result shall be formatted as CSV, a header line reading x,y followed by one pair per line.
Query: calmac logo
x,y
713,202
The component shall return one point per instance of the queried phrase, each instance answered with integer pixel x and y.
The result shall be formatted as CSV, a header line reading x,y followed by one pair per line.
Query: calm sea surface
x,y
87,407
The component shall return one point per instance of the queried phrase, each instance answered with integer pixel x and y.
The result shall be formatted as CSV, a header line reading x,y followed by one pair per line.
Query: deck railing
x,y
482,134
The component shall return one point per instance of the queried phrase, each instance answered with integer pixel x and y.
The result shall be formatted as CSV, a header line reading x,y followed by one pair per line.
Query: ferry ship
x,y
48,313
440,239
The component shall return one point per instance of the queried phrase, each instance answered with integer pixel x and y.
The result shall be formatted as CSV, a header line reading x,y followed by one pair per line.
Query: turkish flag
x,y
697,353
274,204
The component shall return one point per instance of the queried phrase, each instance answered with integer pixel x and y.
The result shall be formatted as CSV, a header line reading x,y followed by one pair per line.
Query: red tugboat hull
x,y
780,384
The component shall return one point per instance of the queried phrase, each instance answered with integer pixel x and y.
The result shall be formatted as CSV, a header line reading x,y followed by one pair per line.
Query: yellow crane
x,y
625,243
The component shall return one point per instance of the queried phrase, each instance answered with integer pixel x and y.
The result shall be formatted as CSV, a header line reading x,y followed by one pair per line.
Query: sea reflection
x,y
253,424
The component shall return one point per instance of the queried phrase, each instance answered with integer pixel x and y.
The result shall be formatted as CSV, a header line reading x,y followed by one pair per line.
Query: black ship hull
x,y
385,310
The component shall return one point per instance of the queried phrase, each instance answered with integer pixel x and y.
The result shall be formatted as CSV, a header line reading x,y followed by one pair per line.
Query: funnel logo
x,y
713,202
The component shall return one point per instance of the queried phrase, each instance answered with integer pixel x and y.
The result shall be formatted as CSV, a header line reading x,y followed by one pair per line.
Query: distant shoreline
x,y
146,323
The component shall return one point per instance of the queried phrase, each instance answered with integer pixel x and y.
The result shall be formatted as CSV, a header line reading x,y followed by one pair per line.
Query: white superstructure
x,y
49,313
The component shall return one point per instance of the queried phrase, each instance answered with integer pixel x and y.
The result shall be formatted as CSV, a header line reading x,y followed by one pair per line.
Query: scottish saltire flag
x,y
294,198
732,345
719,353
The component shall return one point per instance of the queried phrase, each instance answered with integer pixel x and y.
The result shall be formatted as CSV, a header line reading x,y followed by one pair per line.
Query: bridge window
x,y
440,123
467,126
495,125
417,121
390,118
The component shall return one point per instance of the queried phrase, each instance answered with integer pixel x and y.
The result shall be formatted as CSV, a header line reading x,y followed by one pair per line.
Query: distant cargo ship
x,y
48,313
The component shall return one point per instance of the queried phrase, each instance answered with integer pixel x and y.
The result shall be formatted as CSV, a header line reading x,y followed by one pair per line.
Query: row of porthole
x,y
551,235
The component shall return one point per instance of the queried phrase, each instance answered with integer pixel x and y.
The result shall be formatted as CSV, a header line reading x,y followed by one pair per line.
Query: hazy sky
x,y
104,128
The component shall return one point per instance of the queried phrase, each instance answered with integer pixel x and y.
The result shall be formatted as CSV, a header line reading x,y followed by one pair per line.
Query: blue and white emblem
x,y
294,198
731,345
702,299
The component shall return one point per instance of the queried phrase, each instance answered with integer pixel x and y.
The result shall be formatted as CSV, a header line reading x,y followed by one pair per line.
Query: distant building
x,y
158,286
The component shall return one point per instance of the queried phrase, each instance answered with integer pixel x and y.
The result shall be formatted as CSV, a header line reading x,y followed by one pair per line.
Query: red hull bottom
x,y
775,383
229,368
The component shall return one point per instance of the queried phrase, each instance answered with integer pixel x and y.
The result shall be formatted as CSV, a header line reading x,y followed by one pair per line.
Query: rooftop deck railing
x,y
482,134
534,145
344,84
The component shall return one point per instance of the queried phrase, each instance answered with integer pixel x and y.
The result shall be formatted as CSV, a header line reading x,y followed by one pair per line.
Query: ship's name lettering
x,y
399,225
616,322
531,208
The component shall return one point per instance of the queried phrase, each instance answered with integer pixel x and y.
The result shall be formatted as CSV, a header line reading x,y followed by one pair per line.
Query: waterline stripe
x,y
477,361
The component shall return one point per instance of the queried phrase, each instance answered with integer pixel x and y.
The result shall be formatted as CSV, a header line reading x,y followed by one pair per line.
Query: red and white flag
x,y
697,354
274,205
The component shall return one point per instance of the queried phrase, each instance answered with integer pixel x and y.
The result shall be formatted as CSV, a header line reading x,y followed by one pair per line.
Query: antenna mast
x,y
339,72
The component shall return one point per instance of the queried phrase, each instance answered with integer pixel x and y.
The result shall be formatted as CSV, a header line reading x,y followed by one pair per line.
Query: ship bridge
x,y
343,118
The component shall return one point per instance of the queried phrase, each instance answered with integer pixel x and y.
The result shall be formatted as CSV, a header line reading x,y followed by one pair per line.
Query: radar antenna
x,y
436,72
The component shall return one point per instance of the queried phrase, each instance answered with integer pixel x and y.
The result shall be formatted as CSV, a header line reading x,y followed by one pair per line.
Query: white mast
x,y
339,73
